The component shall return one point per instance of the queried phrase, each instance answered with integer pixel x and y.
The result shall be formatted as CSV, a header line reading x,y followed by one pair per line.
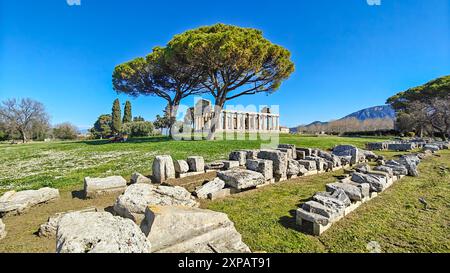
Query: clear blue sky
x,y
348,55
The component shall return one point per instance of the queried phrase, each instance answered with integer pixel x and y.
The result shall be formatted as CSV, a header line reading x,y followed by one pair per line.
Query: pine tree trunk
x,y
216,119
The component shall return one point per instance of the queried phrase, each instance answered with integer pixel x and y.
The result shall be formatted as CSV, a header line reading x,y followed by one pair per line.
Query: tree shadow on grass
x,y
289,222
78,194
129,141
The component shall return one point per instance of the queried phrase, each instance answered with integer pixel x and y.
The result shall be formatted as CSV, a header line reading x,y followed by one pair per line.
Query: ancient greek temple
x,y
235,121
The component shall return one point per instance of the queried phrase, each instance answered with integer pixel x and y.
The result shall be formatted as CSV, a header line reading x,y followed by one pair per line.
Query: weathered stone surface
x,y
311,217
362,168
397,168
219,194
215,166
288,152
196,164
307,151
310,165
369,155
3,232
181,166
401,147
345,160
337,199
240,156
385,169
279,161
318,208
230,164
349,150
332,203
209,188
336,161
98,186
295,168
432,148
138,178
191,230
163,168
377,146
12,202
252,154
290,147
48,229
410,162
321,165
377,183
300,154
355,193
264,167
241,179
99,232
134,201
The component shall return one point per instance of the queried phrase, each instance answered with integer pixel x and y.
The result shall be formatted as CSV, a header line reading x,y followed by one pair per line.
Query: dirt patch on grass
x,y
22,236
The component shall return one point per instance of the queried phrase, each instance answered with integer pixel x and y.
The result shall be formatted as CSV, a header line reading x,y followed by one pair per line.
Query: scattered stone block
x,y
377,146
240,156
289,147
397,168
94,187
265,167
384,169
252,154
163,168
137,197
13,203
288,152
223,193
295,169
377,183
214,166
321,165
181,167
279,162
306,151
354,192
229,164
410,162
48,229
196,164
209,188
310,165
331,213
401,147
432,148
99,232
312,223
137,178
349,150
191,230
242,179
300,154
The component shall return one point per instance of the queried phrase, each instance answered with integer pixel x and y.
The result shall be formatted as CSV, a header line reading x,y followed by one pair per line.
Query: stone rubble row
x,y
409,145
362,184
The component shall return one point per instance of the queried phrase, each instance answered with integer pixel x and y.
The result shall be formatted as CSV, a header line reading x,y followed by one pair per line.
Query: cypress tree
x,y
116,124
127,117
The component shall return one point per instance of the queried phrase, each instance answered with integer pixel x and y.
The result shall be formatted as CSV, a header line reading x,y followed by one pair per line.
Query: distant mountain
x,y
377,112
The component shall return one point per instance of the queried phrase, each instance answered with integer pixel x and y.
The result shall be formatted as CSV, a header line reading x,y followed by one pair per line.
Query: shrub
x,y
138,129
65,131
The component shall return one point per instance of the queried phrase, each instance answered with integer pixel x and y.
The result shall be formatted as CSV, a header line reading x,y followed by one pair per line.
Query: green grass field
x,y
265,217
